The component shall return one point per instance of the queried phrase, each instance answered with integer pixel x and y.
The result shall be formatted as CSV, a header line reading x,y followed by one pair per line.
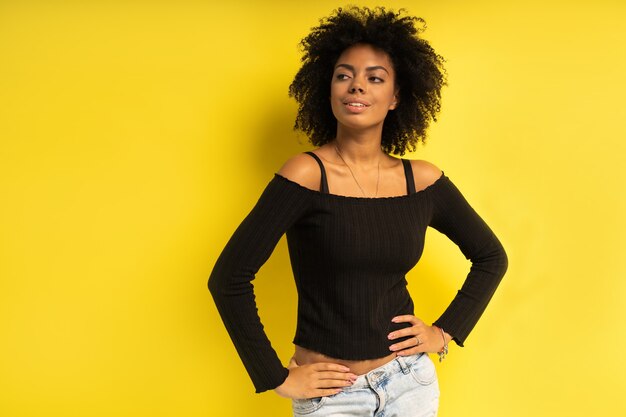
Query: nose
x,y
356,85
353,89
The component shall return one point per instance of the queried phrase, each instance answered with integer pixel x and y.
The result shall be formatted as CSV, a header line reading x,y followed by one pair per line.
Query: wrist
x,y
445,338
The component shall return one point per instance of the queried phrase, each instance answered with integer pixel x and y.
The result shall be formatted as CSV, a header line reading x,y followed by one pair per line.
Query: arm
x,y
454,217
281,204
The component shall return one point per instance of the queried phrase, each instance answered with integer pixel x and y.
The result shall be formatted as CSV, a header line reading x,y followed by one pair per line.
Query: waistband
x,y
376,375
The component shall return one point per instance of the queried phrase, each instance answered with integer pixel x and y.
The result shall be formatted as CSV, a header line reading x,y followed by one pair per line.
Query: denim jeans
x,y
406,386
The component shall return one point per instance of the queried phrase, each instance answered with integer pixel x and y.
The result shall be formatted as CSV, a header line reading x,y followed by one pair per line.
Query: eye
x,y
342,76
377,79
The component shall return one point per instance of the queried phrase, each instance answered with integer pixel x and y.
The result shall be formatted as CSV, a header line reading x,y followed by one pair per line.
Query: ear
x,y
394,103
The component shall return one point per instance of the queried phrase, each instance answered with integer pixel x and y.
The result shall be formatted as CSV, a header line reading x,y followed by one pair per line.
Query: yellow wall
x,y
134,137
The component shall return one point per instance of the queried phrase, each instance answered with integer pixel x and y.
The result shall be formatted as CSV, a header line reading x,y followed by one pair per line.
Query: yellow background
x,y
135,136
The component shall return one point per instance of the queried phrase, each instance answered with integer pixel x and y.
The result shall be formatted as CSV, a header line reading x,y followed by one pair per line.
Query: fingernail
x,y
346,369
390,336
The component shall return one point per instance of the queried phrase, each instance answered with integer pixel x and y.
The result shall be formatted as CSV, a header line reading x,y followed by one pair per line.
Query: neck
x,y
360,148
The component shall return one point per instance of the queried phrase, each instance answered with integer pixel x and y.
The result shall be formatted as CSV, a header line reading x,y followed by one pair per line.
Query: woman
x,y
355,219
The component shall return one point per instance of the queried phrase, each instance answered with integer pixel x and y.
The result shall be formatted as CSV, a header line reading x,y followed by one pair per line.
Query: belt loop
x,y
403,365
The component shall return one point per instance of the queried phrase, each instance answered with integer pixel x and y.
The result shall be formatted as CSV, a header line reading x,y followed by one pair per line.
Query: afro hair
x,y
420,74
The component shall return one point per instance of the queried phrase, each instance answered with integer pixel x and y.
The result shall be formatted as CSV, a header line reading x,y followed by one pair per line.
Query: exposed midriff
x,y
304,356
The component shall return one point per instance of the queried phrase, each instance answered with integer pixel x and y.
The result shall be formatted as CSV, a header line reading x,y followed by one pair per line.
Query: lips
x,y
356,102
356,105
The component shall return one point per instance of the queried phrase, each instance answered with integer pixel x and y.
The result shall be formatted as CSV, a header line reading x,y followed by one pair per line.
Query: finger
x,y
407,318
406,344
407,331
332,383
328,366
339,376
410,351
326,392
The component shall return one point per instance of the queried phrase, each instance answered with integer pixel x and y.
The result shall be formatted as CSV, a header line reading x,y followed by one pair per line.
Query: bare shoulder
x,y
425,173
302,169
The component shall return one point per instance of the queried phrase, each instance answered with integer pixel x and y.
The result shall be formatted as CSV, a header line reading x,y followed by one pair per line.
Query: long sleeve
x,y
454,217
280,205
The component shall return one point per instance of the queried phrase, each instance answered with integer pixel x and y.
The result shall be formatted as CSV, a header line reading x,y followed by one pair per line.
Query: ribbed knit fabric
x,y
349,257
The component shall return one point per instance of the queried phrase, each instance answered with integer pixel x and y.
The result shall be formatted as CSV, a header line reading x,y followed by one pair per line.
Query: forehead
x,y
363,54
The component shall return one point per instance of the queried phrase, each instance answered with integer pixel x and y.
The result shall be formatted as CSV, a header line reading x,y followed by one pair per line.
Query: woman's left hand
x,y
425,338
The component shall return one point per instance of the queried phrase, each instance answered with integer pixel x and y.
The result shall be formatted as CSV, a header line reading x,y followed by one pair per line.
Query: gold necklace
x,y
353,176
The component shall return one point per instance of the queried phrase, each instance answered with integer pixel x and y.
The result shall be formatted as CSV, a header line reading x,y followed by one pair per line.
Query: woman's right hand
x,y
315,380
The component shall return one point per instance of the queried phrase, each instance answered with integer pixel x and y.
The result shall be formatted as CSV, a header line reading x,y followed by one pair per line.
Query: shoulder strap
x,y
324,182
408,173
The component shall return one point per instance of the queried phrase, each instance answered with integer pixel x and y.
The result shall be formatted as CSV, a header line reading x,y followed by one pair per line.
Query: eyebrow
x,y
351,68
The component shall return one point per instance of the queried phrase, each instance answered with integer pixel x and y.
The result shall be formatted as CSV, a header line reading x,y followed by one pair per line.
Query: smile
x,y
356,107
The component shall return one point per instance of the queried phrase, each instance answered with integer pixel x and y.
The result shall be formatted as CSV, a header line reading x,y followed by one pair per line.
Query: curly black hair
x,y
420,74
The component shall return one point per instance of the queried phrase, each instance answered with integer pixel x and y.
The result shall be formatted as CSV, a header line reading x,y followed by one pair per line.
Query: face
x,y
363,89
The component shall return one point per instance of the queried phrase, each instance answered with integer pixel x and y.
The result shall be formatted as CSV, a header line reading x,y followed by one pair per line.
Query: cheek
x,y
334,90
334,98
334,107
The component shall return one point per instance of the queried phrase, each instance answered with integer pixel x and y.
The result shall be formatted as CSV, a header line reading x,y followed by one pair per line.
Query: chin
x,y
354,124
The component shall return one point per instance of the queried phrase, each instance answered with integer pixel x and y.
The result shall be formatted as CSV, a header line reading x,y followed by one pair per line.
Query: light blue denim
x,y
406,386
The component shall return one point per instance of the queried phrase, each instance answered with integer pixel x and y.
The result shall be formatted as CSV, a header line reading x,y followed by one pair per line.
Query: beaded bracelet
x,y
444,350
